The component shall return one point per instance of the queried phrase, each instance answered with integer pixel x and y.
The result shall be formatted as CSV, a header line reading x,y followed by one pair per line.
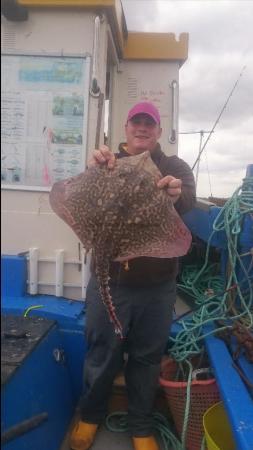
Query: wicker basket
x,y
204,393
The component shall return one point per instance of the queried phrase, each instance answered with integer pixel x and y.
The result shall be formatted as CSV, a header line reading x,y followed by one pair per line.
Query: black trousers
x,y
145,314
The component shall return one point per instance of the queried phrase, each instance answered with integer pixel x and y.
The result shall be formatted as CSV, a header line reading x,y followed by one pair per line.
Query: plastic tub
x,y
218,433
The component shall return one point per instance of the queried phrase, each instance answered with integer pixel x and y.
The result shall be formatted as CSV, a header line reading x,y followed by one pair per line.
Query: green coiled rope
x,y
216,307
117,422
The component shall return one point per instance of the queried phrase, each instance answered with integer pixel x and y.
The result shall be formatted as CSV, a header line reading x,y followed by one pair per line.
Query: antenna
x,y
219,116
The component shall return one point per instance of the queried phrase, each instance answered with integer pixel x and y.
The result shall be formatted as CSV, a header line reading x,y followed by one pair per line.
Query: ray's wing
x,y
169,242
153,229
69,200
89,203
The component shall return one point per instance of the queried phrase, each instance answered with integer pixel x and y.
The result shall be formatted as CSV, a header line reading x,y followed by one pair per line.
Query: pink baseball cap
x,y
144,108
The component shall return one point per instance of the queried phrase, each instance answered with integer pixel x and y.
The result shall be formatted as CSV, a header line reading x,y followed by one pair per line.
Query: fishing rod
x,y
219,116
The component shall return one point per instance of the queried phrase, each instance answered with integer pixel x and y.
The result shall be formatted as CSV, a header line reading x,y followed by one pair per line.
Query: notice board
x,y
44,116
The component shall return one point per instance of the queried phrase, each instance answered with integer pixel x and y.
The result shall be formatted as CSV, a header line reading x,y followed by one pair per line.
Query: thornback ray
x,y
121,214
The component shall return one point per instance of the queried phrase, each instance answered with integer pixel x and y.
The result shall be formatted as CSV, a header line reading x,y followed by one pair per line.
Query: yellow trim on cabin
x,y
130,45
156,46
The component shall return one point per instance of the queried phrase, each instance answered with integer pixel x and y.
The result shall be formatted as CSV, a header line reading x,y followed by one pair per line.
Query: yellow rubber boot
x,y
145,443
82,436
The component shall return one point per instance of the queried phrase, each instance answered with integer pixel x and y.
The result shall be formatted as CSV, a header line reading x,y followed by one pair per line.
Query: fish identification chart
x,y
44,111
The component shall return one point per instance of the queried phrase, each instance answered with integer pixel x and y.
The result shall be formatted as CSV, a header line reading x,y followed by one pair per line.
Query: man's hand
x,y
103,155
173,185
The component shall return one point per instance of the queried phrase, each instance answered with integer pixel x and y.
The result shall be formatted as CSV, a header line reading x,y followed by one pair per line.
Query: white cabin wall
x,y
144,81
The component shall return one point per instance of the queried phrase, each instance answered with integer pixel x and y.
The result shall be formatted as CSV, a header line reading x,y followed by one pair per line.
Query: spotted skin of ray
x,y
120,214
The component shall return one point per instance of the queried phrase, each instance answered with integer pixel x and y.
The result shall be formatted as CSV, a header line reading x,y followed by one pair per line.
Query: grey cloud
x,y
206,84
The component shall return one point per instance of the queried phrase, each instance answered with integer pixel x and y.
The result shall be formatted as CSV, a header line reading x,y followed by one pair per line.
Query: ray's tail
x,y
102,271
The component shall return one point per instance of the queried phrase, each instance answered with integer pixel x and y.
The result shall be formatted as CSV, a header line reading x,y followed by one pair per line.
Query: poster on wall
x,y
44,116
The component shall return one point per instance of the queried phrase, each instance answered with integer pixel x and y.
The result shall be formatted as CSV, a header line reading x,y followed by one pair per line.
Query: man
x,y
144,293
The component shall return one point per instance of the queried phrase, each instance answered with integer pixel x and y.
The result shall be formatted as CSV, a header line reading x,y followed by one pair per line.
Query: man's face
x,y
142,134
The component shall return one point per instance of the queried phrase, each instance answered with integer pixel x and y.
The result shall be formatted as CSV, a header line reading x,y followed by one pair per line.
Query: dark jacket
x,y
146,270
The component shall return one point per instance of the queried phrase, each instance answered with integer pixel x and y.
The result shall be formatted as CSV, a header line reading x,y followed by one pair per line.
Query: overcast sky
x,y
220,45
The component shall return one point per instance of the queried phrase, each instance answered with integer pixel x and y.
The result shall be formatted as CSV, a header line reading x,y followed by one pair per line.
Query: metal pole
x,y
201,132
33,269
59,273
